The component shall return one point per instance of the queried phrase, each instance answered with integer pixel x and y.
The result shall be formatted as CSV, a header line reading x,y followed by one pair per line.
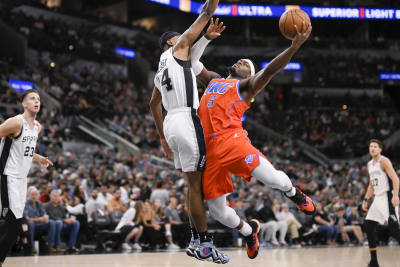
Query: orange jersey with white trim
x,y
221,106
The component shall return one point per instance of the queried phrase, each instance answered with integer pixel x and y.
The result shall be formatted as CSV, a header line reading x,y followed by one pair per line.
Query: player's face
x,y
32,103
173,40
240,69
374,149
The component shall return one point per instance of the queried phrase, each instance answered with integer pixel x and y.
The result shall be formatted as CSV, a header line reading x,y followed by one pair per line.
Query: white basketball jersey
x,y
176,81
378,176
17,153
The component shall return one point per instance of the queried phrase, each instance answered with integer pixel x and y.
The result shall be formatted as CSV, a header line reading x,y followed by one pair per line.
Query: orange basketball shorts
x,y
231,152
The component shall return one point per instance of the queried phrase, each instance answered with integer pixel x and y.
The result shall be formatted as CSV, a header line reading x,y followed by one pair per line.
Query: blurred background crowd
x,y
112,188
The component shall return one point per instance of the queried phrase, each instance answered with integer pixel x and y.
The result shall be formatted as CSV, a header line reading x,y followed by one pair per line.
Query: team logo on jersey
x,y
218,88
249,159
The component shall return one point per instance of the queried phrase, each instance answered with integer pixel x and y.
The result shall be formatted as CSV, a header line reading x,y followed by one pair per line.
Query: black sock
x,y
204,237
374,259
195,234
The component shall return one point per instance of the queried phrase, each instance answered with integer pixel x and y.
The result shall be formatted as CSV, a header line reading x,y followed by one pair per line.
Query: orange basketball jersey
x,y
221,107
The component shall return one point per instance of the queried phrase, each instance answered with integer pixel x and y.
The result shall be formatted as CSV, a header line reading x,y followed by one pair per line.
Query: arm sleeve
x,y
196,53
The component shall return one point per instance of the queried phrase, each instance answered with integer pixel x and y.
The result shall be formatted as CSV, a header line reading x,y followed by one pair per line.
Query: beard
x,y
231,70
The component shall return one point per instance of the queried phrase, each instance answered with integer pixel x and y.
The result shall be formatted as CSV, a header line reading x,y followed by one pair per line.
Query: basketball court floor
x,y
303,257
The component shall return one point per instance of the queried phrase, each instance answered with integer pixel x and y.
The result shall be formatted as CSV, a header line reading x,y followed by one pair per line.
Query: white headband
x,y
252,69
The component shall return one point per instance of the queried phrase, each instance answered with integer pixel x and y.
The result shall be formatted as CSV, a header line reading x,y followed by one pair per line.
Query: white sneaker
x,y
207,251
173,246
125,246
136,246
193,244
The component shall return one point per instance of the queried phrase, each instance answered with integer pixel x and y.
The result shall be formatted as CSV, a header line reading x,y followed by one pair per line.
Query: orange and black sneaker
x,y
304,202
252,244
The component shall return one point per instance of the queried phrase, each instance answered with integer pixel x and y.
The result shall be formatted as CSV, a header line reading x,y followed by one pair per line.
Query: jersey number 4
x,y
166,80
29,149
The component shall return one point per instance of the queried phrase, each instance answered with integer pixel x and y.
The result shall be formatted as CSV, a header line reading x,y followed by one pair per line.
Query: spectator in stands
x,y
129,228
281,223
104,195
58,213
37,219
348,224
270,225
77,210
292,223
44,196
160,193
125,191
95,203
178,227
163,221
326,225
151,229
115,203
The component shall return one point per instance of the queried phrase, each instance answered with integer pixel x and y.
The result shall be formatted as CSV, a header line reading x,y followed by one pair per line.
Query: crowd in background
x,y
136,202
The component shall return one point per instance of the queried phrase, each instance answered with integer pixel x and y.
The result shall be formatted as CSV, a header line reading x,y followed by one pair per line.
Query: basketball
x,y
290,18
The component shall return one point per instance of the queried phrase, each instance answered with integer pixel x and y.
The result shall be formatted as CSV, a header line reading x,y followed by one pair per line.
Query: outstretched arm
x,y
213,32
181,49
253,85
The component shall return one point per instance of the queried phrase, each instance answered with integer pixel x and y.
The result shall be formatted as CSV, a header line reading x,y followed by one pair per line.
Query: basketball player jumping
x,y
384,208
181,132
228,148
18,142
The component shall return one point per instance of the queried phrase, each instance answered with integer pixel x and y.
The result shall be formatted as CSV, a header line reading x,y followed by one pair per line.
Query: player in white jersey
x,y
384,185
17,151
181,133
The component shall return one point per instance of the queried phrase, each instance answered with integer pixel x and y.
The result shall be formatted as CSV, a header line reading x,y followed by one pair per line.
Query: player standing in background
x,y
181,132
384,208
229,150
18,142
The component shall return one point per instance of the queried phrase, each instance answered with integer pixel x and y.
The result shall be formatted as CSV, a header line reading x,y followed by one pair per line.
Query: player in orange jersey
x,y
228,149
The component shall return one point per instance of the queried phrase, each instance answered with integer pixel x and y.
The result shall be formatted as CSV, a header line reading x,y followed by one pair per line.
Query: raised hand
x,y
301,37
214,30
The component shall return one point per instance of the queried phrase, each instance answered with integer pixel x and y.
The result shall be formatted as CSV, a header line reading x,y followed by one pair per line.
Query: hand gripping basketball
x,y
301,37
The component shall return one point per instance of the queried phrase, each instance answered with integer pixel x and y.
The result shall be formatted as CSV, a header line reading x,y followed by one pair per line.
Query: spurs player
x,y
181,132
18,142
384,185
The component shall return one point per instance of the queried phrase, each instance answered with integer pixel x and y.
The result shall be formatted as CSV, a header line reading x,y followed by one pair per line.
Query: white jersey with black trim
x,y
378,176
17,153
176,81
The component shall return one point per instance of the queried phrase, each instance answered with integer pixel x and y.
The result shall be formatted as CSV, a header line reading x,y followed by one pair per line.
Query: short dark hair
x,y
376,141
27,92
165,37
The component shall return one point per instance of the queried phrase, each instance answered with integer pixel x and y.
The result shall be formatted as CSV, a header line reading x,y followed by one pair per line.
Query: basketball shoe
x,y
252,244
193,244
206,251
303,202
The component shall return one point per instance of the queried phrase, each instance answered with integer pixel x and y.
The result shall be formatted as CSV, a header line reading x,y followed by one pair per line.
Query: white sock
x,y
246,230
292,192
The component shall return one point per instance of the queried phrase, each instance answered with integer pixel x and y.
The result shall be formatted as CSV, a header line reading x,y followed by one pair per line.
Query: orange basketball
x,y
290,18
